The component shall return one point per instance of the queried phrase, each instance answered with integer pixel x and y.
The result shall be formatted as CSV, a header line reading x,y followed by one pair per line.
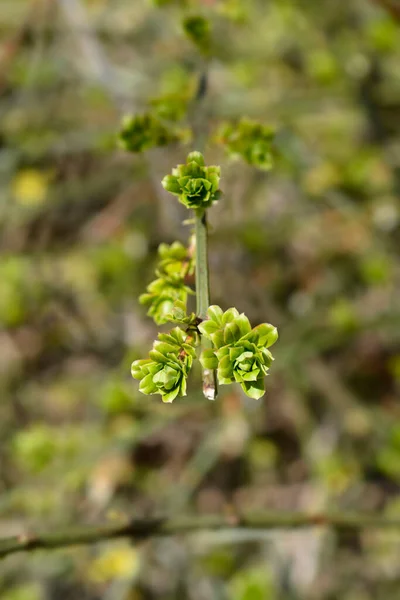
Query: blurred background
x,y
312,247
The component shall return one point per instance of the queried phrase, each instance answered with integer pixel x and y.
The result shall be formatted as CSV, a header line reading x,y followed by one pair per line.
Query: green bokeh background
x,y
312,247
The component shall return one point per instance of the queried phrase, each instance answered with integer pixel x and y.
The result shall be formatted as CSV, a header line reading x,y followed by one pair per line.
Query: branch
x,y
203,295
142,529
210,386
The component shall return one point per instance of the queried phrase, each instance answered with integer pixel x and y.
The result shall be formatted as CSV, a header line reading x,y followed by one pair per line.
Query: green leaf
x,y
138,367
168,338
267,356
234,352
164,348
170,396
147,385
157,356
223,380
267,334
167,377
243,323
178,312
145,298
170,183
196,157
254,389
208,328
222,352
251,376
189,350
177,334
218,338
230,315
209,360
225,367
231,333
215,313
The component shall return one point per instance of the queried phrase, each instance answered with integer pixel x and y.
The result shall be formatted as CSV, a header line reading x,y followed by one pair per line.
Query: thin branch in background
x,y
142,529
95,61
99,68
11,46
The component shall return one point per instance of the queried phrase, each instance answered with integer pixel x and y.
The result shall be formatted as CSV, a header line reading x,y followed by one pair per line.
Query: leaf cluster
x,y
196,185
166,370
174,266
240,353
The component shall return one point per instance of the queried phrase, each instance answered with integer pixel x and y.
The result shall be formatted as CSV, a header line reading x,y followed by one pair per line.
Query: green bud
x,y
166,370
195,184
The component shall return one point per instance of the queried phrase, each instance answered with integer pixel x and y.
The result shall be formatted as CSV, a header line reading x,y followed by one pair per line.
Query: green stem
x,y
210,389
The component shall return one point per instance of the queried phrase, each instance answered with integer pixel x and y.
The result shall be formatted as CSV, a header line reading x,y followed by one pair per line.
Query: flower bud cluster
x,y
196,185
166,370
161,294
240,353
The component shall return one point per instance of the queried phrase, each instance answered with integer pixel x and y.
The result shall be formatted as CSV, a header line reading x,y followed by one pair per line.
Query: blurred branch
x,y
141,529
96,64
101,69
11,46
391,7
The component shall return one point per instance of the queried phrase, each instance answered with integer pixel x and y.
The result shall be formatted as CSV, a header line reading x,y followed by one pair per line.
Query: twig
x,y
142,529
203,295
210,387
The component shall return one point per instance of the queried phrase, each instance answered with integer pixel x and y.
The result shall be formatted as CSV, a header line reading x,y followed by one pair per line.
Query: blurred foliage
x,y
197,28
248,140
311,246
141,132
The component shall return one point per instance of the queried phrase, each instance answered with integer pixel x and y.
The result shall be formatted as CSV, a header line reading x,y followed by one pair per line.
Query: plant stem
x,y
210,389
